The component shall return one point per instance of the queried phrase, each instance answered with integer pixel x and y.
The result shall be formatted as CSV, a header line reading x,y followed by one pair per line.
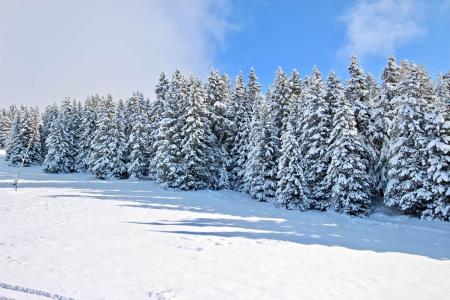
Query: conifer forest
x,y
311,142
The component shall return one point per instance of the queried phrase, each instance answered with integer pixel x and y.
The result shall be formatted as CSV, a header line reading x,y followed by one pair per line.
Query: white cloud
x,y
379,27
50,49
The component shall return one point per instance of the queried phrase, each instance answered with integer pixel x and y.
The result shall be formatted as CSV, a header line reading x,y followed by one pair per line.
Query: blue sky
x,y
50,49
300,34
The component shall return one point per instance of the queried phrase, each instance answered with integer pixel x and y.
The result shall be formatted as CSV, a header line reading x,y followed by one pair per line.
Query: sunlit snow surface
x,y
77,237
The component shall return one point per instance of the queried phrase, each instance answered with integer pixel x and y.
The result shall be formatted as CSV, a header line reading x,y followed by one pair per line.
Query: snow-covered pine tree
x,y
347,176
50,115
121,141
357,91
291,183
279,102
76,130
238,114
156,114
168,142
35,147
438,130
5,127
24,139
407,187
261,167
248,137
383,115
216,103
14,146
315,135
198,143
59,143
87,132
6,121
138,142
105,160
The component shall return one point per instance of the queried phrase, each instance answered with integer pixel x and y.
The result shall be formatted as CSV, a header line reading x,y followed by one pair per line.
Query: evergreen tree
x,y
291,186
168,143
407,188
383,115
156,114
138,142
50,115
59,143
239,115
347,175
87,132
438,128
315,134
24,138
121,142
216,101
250,129
198,142
261,167
106,162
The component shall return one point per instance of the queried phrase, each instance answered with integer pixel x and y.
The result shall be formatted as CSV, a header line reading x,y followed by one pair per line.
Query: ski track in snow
x,y
74,235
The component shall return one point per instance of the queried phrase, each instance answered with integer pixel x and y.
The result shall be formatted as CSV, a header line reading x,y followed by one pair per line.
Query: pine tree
x,y
239,138
58,143
198,142
5,127
407,188
315,135
216,103
121,143
50,115
383,115
438,129
14,145
34,146
105,159
251,107
348,173
291,186
156,114
24,138
87,132
168,143
138,142
261,167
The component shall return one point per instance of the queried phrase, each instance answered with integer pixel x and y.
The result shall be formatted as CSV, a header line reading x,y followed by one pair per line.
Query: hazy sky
x,y
50,49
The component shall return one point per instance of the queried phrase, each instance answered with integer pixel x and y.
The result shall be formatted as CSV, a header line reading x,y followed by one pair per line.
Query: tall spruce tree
x,y
438,130
239,115
261,167
59,143
168,143
198,142
407,187
348,174
49,116
315,135
156,114
253,104
216,103
291,186
87,132
138,142
383,117
121,141
105,159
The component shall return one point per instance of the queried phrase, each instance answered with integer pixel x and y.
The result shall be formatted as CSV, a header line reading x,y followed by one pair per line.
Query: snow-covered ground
x,y
72,236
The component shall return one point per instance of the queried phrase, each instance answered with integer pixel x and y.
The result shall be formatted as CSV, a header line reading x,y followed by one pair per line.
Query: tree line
x,y
308,143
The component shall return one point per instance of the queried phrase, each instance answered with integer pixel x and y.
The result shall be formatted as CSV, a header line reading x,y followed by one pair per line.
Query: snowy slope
x,y
77,237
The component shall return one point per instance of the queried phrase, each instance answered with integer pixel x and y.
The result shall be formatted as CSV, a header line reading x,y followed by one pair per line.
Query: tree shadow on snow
x,y
229,214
